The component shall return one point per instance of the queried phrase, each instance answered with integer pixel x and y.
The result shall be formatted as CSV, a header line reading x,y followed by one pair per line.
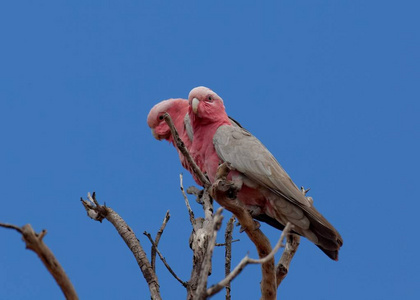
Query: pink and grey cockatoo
x,y
263,185
178,110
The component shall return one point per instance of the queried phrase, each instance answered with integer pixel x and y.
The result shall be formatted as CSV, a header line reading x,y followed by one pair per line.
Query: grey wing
x,y
249,156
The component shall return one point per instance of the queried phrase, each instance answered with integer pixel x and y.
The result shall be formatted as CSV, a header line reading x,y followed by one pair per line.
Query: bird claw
x,y
255,211
257,225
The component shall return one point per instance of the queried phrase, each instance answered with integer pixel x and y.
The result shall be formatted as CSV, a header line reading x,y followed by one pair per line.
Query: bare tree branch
x,y
283,265
187,203
201,292
35,243
202,228
200,243
181,146
11,226
224,244
246,261
225,194
154,246
98,213
228,252
157,239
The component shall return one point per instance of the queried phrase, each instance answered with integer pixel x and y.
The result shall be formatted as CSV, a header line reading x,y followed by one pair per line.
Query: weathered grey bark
x,y
157,239
201,291
228,253
98,213
154,247
245,261
202,242
225,194
282,268
34,242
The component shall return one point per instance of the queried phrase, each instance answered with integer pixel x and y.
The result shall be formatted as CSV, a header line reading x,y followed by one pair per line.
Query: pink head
x,y
206,106
176,108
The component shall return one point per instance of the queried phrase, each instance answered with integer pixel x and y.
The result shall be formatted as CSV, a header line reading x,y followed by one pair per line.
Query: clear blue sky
x,y
330,87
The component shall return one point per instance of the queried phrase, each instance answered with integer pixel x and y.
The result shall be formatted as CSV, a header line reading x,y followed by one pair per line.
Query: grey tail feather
x,y
333,254
329,245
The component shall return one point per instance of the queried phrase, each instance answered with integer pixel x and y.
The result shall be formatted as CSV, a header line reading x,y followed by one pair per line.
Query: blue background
x,y
330,87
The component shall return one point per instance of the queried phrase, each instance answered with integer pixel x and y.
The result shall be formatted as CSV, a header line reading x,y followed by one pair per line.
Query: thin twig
x,y
207,205
245,261
228,252
201,241
187,203
98,213
224,244
157,239
35,243
283,265
202,282
11,226
225,194
154,246
181,146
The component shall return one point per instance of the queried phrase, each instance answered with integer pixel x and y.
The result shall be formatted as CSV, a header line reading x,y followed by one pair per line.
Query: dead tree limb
x,y
181,146
34,242
201,291
246,261
200,243
187,203
289,251
228,252
157,239
154,246
225,194
98,213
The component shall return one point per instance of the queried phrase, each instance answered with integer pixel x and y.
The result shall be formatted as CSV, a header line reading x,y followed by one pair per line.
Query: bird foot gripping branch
x,y
222,184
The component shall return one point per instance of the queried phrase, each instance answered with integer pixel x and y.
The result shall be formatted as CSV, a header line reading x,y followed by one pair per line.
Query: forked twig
x,y
157,239
187,203
98,212
246,261
228,252
154,246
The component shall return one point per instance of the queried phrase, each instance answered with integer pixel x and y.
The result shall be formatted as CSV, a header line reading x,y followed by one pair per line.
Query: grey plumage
x,y
249,156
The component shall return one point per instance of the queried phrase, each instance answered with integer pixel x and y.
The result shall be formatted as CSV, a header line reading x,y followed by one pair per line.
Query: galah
x,y
178,110
263,185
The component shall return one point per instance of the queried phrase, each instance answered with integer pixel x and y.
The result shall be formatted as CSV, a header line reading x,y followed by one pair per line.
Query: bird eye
x,y
161,117
210,98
